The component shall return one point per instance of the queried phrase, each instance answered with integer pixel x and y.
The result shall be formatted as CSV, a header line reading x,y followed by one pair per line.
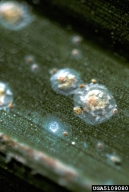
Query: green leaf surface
x,y
36,105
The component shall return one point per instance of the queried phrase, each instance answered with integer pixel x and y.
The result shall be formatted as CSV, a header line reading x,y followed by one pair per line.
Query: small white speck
x,y
77,39
76,54
34,67
85,145
110,107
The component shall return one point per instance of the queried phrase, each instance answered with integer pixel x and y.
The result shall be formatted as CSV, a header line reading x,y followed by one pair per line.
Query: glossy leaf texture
x,y
40,116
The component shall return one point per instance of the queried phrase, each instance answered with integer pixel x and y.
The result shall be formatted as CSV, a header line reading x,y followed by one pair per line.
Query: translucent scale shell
x,y
6,96
65,81
94,104
14,16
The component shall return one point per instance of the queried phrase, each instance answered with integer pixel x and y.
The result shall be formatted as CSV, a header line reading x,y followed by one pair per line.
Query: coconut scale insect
x,y
65,81
6,96
14,16
94,104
